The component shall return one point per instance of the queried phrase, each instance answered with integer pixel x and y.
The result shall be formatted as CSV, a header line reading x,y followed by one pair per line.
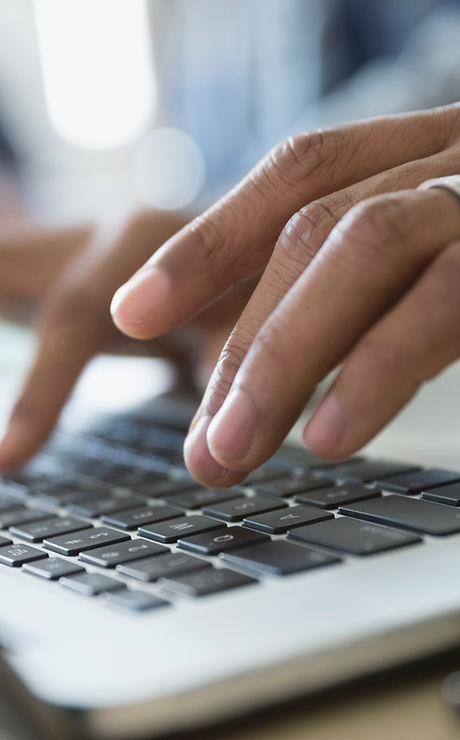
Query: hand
x,y
359,267
71,275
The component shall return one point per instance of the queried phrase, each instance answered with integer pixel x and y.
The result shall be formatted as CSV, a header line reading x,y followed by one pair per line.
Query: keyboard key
x,y
206,582
365,471
73,544
21,516
163,487
109,557
418,481
289,486
200,497
17,555
91,584
407,513
162,566
52,568
38,531
269,471
97,505
277,522
298,457
8,503
14,489
133,518
233,511
278,558
332,498
134,601
449,494
60,497
170,531
215,542
4,541
353,536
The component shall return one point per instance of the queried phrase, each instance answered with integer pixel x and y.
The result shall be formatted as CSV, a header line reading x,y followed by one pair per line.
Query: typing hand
x,y
360,268
70,275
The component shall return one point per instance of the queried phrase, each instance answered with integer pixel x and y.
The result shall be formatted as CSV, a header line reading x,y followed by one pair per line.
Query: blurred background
x,y
111,104
107,106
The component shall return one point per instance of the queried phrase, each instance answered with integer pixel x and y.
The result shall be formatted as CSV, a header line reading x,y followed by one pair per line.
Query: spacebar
x,y
407,513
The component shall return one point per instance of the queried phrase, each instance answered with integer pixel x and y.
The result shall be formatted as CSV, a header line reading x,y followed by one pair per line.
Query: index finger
x,y
233,239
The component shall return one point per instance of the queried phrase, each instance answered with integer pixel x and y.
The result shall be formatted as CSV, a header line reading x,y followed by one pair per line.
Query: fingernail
x,y
326,429
232,430
197,456
139,298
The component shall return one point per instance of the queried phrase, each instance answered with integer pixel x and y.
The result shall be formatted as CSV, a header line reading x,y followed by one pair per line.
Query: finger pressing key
x,y
374,254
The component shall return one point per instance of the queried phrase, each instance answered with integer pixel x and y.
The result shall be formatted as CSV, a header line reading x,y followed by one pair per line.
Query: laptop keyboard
x,y
113,514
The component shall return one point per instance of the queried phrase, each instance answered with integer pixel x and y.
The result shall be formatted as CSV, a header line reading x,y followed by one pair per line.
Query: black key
x,y
298,457
8,504
277,522
269,471
278,558
233,511
4,541
112,555
97,505
91,584
72,544
200,497
170,531
134,601
332,498
365,471
206,582
62,497
418,481
407,513
17,555
133,518
162,566
21,516
163,487
14,489
449,495
353,536
38,531
290,485
213,543
52,568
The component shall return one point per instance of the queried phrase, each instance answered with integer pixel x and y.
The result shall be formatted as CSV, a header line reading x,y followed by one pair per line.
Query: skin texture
x,y
359,268
66,278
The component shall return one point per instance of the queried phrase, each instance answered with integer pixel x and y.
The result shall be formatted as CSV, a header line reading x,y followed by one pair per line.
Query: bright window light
x,y
97,69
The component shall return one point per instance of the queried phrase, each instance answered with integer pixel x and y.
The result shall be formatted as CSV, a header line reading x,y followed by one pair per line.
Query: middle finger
x,y
369,259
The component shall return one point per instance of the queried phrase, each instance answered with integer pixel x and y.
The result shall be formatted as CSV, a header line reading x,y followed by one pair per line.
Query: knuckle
x,y
379,224
214,235
297,158
307,230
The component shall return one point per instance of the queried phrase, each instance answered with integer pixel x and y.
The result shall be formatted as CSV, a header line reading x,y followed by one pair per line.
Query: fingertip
x,y
136,302
200,463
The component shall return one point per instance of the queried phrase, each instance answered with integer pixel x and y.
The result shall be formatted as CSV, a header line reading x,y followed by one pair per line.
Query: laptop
x,y
135,603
